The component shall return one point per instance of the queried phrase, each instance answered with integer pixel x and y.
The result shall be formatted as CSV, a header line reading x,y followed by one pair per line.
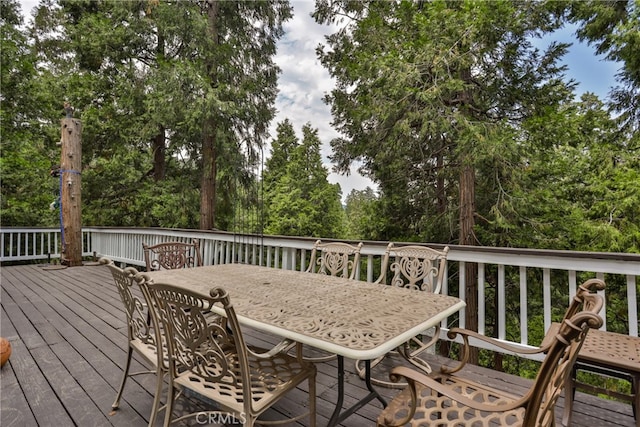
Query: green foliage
x,y
27,188
299,201
575,189
361,219
134,199
614,29
167,81
426,90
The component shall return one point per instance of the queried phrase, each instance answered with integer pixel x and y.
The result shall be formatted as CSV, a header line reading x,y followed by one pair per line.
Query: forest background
x,y
470,133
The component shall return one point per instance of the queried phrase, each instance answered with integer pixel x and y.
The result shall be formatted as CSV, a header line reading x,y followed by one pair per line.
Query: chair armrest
x,y
465,334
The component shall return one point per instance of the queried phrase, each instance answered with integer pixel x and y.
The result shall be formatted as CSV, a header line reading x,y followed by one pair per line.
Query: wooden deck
x,y
67,331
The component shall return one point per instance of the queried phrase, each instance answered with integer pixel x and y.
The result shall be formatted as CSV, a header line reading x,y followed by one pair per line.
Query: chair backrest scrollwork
x,y
172,255
562,350
335,259
136,309
213,350
414,267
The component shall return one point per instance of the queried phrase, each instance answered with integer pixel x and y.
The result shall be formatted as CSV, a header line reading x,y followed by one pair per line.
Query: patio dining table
x,y
349,318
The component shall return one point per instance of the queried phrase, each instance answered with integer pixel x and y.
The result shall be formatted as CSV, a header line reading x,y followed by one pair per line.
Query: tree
x,y
614,29
580,192
299,201
238,98
282,148
27,188
362,222
430,95
190,84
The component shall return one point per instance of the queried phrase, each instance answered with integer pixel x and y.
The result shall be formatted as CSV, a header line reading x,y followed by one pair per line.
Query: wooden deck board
x,y
68,337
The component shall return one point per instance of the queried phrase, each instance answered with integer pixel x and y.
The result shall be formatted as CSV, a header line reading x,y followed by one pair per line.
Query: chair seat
x,y
608,354
434,409
269,377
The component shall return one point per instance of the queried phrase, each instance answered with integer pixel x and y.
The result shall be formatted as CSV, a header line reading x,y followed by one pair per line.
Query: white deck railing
x,y
504,274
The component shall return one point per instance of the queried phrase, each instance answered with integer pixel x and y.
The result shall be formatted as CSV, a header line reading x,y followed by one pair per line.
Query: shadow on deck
x,y
68,337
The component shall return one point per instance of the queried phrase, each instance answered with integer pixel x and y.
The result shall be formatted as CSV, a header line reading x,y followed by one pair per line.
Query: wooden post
x,y
70,191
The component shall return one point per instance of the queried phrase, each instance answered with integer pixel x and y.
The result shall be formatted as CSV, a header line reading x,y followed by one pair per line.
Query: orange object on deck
x,y
5,351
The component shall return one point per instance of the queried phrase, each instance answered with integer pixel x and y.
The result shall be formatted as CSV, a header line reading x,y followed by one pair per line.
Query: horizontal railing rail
x,y
524,287
34,244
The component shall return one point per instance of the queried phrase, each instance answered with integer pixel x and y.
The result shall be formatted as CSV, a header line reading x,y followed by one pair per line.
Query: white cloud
x,y
303,84
27,6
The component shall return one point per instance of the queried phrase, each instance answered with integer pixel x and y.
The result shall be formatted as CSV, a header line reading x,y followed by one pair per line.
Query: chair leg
x,y
312,401
125,374
635,390
569,396
169,405
156,399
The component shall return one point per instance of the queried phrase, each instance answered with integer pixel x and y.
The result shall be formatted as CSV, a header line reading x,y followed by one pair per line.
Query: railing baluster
x,y
546,297
632,311
502,310
482,317
125,246
524,329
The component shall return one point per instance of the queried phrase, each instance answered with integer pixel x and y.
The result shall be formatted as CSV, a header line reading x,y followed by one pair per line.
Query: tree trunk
x,y
440,185
208,183
209,153
159,162
70,192
467,217
467,223
159,147
442,209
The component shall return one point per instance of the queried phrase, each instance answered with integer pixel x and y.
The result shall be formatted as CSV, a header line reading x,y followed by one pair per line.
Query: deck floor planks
x,y
69,324
73,398
15,408
63,318
115,346
43,402
71,394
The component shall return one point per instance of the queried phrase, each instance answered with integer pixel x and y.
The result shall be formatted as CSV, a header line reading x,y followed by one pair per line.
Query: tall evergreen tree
x,y
362,222
241,85
299,201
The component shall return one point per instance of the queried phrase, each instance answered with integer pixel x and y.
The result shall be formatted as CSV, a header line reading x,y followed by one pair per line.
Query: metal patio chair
x,y
418,268
335,259
172,255
449,398
141,335
211,359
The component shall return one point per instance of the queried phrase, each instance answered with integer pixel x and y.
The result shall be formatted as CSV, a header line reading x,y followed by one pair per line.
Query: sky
x,y
303,81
